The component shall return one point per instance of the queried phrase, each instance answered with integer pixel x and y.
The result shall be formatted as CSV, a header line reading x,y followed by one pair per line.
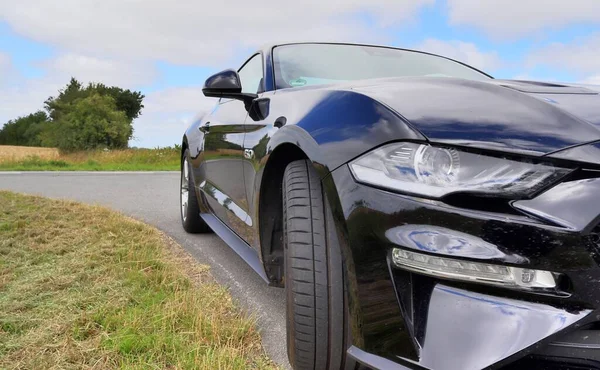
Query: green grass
x,y
84,287
165,159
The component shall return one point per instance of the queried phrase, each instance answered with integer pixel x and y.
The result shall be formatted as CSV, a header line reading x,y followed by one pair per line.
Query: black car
x,y
419,213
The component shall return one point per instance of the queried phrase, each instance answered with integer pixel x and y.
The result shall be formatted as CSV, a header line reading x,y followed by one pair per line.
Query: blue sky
x,y
167,49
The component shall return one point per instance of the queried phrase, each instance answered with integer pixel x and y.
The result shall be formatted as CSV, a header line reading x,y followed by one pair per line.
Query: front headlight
x,y
434,172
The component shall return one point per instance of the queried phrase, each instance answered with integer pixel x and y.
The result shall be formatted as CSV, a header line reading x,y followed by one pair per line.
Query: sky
x,y
166,49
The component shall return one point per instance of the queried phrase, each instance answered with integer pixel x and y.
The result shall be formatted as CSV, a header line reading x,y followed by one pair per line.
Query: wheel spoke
x,y
184,189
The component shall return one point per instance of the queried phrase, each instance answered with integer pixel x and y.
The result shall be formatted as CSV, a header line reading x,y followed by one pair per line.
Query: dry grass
x,y
14,158
83,287
10,153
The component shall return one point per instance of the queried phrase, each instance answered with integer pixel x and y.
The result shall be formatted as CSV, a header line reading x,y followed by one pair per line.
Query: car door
x,y
223,152
258,134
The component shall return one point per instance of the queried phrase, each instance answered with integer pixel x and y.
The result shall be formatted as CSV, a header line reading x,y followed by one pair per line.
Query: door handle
x,y
205,128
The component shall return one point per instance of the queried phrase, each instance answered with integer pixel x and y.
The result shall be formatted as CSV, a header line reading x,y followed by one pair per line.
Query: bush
x,y
92,122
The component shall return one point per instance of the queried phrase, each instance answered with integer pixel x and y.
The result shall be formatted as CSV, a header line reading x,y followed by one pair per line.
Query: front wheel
x,y
314,295
190,212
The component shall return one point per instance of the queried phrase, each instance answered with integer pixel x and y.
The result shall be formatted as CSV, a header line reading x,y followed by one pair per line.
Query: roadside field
x,y
85,287
15,158
10,153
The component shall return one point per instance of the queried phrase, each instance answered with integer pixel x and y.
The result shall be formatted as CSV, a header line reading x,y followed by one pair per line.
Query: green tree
x,y
70,123
91,122
127,101
24,130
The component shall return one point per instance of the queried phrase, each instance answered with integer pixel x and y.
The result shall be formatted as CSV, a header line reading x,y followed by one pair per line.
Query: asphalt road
x,y
153,197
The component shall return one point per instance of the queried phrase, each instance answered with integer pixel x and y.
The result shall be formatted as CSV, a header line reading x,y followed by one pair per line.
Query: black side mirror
x,y
227,84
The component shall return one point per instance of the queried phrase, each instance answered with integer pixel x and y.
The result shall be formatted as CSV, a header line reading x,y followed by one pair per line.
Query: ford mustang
x,y
419,213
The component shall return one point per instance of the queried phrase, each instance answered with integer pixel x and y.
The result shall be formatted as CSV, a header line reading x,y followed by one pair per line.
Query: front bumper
x,y
423,322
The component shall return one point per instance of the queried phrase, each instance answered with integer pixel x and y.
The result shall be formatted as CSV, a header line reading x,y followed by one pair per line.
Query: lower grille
x,y
576,350
538,363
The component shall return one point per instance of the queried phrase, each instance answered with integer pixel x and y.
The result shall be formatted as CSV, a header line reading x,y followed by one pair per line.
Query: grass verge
x,y
48,159
85,287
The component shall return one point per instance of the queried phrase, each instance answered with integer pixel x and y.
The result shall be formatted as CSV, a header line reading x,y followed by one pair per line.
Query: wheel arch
x,y
270,207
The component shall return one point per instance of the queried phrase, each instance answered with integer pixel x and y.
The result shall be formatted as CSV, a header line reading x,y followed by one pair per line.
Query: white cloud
x,y
26,97
513,18
5,62
92,69
159,130
21,96
524,77
592,80
7,72
464,52
178,99
198,32
168,113
581,56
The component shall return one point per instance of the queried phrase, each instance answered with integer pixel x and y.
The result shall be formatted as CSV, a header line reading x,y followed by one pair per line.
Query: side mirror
x,y
227,84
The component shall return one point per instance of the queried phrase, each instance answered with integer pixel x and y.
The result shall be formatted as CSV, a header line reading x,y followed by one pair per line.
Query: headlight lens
x,y
435,172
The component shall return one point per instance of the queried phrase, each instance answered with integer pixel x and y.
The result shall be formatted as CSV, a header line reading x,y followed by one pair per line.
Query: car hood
x,y
515,116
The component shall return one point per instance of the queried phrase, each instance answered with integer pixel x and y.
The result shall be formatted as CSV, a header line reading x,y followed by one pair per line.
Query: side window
x,y
251,75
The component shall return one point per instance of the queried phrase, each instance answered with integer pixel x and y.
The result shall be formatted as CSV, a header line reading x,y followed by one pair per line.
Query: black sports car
x,y
419,213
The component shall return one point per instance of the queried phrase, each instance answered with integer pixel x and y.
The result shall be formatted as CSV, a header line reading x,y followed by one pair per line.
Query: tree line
x,y
78,118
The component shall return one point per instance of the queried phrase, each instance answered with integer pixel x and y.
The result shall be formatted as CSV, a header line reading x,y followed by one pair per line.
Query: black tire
x,y
190,214
314,330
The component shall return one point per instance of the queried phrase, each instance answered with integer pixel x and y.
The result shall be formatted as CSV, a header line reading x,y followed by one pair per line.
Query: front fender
x,y
330,126
298,137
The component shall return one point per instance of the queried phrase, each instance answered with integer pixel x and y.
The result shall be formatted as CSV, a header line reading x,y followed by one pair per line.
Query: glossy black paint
x,y
490,116
398,314
218,170
395,315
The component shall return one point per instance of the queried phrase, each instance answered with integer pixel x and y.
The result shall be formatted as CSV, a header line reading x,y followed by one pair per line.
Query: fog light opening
x,y
484,273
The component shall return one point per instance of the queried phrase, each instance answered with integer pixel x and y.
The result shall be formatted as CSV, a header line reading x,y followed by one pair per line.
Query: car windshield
x,y
313,64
